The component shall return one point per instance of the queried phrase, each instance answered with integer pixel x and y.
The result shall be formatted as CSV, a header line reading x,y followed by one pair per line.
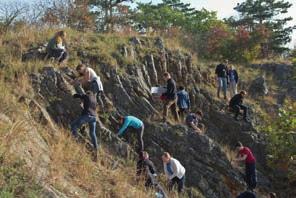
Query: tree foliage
x,y
267,13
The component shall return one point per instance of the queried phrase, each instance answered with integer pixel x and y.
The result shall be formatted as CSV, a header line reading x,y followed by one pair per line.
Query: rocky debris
x,y
258,87
35,53
206,165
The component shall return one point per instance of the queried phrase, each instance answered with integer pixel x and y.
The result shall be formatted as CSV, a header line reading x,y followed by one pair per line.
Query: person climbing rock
x,y
221,73
236,104
131,122
193,121
247,194
56,47
147,171
233,80
174,171
170,98
245,154
183,101
91,81
88,115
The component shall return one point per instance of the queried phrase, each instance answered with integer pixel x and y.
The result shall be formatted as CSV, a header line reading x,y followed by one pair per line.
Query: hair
x,y
272,195
166,155
144,153
181,88
238,144
243,92
61,33
80,66
166,74
199,112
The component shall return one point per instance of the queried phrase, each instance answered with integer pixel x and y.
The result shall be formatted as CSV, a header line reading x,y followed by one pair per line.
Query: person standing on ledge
x,y
170,98
221,73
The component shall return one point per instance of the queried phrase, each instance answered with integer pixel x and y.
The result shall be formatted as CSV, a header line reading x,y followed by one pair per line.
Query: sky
x,y
224,9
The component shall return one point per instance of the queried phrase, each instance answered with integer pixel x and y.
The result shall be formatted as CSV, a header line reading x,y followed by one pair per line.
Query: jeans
x,y
180,182
233,88
170,104
222,84
91,120
237,109
251,177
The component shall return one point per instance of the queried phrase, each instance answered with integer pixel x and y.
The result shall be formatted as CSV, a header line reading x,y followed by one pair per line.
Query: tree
x,y
254,13
10,13
105,12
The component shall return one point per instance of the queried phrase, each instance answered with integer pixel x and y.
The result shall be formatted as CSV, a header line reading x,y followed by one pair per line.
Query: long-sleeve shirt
x,y
183,100
171,93
236,100
174,169
89,103
130,121
145,165
55,43
233,75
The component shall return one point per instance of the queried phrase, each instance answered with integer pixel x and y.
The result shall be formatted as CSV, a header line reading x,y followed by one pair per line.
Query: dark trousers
x,y
139,133
251,178
179,182
59,54
101,98
170,104
237,108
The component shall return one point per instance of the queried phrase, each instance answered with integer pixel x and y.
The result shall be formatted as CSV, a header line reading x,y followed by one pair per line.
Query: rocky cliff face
x,y
128,88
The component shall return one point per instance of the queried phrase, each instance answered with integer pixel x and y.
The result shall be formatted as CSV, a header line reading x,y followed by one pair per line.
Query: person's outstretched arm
x,y
124,127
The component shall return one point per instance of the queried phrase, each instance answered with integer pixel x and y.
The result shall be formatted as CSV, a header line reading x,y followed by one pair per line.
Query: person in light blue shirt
x,y
183,101
137,125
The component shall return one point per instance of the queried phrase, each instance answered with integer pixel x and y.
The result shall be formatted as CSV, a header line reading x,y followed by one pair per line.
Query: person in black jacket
x,y
233,80
221,72
147,171
170,98
88,115
236,104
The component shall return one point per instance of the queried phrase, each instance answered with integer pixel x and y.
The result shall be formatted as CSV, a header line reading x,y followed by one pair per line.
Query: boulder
x,y
258,87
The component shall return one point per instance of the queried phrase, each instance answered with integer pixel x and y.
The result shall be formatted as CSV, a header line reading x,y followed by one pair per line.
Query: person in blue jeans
x,y
183,101
222,78
133,123
88,115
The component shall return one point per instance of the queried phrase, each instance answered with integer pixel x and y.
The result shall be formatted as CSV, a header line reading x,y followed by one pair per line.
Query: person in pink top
x,y
245,154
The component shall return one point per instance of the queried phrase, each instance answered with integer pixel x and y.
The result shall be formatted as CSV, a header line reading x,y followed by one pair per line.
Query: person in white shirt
x,y
174,171
90,80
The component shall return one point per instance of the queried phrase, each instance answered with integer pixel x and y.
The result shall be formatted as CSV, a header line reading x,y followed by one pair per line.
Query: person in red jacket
x,y
245,154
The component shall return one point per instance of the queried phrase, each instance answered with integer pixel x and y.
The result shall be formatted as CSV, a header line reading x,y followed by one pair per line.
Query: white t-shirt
x,y
93,76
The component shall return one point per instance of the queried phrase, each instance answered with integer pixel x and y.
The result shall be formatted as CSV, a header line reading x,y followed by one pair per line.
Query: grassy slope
x,y
70,162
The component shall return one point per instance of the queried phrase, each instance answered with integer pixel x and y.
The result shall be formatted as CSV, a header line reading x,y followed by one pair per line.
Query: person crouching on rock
x,y
236,104
56,47
174,171
91,81
245,154
131,122
88,115
170,98
146,169
193,121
